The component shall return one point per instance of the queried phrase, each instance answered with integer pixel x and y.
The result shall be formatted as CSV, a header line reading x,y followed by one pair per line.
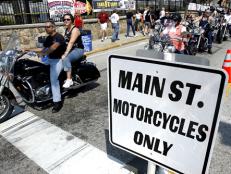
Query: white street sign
x,y
165,112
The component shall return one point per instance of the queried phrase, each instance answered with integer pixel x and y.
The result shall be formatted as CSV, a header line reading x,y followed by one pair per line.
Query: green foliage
x,y
6,20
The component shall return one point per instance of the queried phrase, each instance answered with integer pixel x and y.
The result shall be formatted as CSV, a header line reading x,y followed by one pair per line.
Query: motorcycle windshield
x,y
8,55
13,43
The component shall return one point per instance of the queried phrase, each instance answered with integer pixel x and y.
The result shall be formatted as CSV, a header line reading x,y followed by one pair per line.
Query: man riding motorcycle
x,y
205,22
54,48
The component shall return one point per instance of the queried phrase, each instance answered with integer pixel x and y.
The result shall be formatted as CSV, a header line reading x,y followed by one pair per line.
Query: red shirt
x,y
78,22
103,17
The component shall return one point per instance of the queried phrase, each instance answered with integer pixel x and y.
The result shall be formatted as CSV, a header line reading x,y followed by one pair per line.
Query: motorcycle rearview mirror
x,y
41,40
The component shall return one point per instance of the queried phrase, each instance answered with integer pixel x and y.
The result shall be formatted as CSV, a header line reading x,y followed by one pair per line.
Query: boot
x,y
57,106
210,51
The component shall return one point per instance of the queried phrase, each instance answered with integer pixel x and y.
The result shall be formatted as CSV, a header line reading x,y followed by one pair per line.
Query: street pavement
x,y
99,46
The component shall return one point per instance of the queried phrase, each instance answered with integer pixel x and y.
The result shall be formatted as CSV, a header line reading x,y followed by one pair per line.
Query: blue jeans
x,y
229,29
209,36
74,55
56,67
115,34
129,24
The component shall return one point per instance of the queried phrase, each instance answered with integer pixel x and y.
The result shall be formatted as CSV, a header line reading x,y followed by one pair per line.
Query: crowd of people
x,y
63,49
139,21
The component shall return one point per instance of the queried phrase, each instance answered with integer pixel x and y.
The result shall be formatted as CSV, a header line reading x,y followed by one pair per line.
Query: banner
x,y
192,6
58,8
99,5
83,6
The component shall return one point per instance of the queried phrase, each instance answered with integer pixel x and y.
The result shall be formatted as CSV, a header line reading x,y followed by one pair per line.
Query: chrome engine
x,y
43,92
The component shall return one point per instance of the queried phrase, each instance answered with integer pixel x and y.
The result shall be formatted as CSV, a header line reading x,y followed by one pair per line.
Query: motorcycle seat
x,y
78,61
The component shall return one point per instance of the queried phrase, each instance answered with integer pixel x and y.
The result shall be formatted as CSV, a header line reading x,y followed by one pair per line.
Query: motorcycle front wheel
x,y
6,108
219,36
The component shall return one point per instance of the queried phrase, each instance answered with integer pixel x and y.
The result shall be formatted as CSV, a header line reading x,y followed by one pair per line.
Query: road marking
x,y
55,150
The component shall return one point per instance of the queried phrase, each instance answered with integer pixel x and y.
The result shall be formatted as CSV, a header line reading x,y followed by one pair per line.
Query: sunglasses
x,y
66,19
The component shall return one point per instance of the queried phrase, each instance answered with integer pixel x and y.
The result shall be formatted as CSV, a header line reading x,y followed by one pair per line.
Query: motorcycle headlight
x,y
171,49
157,47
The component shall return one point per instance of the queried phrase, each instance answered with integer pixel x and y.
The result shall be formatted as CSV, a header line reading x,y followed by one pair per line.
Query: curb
x,y
114,45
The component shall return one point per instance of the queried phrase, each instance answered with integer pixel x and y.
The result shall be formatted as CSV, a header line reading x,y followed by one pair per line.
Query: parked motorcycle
x,y
221,33
24,80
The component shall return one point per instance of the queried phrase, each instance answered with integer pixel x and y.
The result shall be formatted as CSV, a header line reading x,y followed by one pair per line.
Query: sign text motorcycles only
x,y
165,112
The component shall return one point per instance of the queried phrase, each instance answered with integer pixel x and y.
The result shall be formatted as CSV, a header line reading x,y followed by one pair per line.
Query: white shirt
x,y
228,18
138,16
162,13
114,18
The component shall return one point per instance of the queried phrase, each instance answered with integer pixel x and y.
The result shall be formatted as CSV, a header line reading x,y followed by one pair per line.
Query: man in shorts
x,y
103,20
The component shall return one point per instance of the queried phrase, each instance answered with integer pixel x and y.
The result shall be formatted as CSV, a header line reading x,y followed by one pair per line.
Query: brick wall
x,y
28,34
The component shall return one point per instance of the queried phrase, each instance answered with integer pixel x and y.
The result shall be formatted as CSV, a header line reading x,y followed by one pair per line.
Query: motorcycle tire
x,y
219,37
225,38
192,49
6,108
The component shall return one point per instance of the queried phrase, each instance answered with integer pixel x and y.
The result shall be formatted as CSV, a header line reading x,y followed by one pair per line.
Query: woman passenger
x,y
75,48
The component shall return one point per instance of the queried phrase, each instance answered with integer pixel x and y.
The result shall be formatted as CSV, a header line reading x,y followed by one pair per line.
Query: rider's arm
x,y
52,48
197,19
37,50
74,35
164,32
211,19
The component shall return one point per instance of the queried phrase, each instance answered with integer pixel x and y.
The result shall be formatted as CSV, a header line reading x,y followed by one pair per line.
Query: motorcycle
x,y
25,80
221,33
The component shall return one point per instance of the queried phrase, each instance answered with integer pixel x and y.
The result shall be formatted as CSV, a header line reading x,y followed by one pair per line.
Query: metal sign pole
x,y
151,168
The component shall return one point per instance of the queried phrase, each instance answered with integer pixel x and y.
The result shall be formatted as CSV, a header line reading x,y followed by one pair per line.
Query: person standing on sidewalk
x,y
103,20
147,22
115,25
129,16
138,20
78,20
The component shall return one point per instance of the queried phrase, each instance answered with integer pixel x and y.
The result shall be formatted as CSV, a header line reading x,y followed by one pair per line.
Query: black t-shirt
x,y
147,16
129,15
50,40
78,42
157,14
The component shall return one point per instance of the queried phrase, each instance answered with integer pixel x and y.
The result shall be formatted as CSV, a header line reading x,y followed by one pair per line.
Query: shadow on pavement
x,y
70,94
17,110
75,92
225,130
132,162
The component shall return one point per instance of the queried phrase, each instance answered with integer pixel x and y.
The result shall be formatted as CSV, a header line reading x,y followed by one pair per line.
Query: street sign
x,y
165,112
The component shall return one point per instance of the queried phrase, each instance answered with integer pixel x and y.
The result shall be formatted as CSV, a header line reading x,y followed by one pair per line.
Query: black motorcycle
x,y
25,79
221,33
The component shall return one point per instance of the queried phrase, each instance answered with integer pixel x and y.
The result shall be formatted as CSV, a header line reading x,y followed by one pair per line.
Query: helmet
x,y
176,17
212,9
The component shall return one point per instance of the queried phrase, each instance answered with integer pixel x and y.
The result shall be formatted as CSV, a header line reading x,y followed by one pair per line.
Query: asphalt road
x,y
85,115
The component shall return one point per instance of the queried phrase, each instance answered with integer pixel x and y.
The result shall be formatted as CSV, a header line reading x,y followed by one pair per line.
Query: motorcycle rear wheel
x,y
6,108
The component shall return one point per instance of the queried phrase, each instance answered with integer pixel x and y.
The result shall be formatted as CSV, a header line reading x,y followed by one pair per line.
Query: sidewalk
x,y
98,46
